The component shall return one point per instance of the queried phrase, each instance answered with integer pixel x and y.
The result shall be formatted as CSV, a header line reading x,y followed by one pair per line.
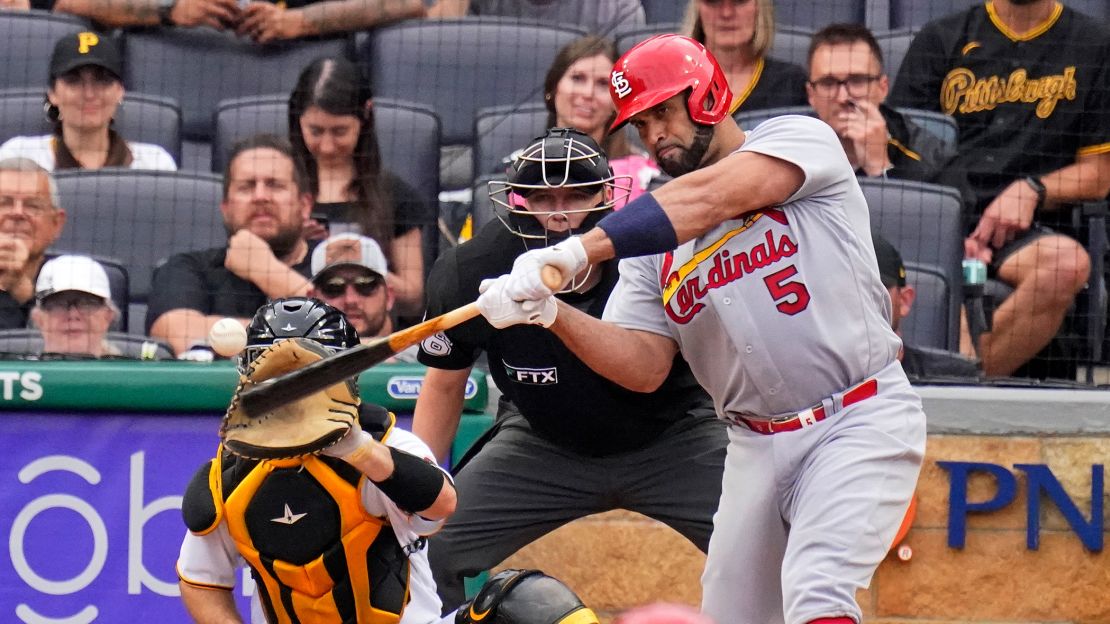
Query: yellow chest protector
x,y
316,554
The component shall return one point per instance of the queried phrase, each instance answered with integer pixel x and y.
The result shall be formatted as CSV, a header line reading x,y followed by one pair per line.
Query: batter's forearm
x,y
636,360
115,13
347,15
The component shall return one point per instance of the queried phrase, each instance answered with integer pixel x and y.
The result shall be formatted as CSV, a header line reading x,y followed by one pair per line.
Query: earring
x,y
547,97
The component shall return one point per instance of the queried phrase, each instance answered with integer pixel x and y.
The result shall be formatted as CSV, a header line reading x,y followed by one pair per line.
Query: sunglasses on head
x,y
364,285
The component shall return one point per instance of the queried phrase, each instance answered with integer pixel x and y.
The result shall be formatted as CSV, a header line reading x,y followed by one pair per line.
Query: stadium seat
x,y
625,39
29,38
925,223
752,118
817,15
894,44
139,218
145,118
459,66
198,67
939,125
501,130
929,323
483,206
663,11
408,135
792,45
28,343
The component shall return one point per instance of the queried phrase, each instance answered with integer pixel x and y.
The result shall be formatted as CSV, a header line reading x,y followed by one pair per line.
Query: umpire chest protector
x,y
315,552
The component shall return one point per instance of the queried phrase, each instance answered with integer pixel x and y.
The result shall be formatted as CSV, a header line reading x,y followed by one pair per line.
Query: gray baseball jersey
x,y
779,311
749,296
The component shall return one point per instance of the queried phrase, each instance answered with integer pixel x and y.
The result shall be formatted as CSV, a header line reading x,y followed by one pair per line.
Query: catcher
x,y
332,535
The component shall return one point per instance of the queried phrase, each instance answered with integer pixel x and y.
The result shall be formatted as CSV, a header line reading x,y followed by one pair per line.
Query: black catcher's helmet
x,y
525,597
561,158
297,317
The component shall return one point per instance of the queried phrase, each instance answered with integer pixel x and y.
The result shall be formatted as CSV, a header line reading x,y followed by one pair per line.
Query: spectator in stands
x,y
917,362
739,34
263,22
602,17
266,202
30,222
348,273
576,93
1027,83
847,87
73,307
331,126
85,92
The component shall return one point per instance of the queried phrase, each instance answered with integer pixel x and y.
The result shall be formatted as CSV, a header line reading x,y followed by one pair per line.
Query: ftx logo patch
x,y
532,376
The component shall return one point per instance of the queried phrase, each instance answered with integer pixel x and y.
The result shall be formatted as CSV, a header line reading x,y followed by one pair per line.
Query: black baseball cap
x,y
891,269
85,48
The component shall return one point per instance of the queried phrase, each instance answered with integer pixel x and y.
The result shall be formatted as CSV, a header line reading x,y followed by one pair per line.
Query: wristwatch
x,y
165,7
1035,183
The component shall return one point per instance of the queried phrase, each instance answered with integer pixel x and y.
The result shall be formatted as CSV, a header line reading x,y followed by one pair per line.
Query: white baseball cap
x,y
79,273
348,249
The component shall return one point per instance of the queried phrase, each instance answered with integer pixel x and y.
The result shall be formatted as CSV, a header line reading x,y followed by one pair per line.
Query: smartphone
x,y
320,218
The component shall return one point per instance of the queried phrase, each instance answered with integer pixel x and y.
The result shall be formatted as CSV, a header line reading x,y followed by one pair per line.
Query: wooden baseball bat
x,y
274,393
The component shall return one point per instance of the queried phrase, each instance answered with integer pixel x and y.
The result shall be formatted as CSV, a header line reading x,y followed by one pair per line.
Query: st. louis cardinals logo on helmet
x,y
662,67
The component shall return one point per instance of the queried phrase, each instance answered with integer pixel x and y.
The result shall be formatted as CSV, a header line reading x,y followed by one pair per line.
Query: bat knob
x,y
552,277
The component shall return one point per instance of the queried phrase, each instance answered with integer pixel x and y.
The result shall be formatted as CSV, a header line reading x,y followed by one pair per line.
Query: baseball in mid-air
x,y
227,337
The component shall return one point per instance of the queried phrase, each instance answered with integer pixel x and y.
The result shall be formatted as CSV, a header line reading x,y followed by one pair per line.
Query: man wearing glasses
x,y
30,221
847,87
74,307
348,273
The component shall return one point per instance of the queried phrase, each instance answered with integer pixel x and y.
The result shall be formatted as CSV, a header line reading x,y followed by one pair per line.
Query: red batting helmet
x,y
662,67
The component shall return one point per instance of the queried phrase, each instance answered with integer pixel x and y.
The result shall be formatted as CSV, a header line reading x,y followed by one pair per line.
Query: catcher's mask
x,y
524,597
563,158
296,317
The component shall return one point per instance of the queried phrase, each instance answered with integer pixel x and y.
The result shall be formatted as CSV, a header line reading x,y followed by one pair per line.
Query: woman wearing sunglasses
x,y
739,34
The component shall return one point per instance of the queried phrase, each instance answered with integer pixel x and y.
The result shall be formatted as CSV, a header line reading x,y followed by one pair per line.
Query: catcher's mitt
x,y
298,428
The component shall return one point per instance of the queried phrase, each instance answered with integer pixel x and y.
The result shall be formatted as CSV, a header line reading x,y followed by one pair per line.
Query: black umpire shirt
x,y
198,280
563,400
1025,105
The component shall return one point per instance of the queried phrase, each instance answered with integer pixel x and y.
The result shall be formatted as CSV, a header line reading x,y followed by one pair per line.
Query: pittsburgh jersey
x,y
1025,105
741,299
564,401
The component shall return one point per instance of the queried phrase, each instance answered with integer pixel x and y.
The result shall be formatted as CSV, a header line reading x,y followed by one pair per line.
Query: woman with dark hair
x,y
331,127
739,34
576,93
84,94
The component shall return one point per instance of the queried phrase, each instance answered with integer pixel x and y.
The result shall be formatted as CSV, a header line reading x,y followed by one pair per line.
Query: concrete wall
x,y
620,559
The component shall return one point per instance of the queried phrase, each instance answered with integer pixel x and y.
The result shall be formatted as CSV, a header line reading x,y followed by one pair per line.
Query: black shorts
x,y
1034,233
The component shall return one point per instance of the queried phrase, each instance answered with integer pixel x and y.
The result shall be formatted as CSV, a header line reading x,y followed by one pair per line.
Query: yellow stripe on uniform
x,y
905,150
691,264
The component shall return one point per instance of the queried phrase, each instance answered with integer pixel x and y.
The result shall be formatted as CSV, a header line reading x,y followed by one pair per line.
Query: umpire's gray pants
x,y
520,487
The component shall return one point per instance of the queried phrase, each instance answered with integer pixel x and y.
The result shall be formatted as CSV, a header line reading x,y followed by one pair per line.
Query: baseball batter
x,y
757,263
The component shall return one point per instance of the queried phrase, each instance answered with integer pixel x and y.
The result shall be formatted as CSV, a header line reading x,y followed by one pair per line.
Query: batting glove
x,y
502,311
526,281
